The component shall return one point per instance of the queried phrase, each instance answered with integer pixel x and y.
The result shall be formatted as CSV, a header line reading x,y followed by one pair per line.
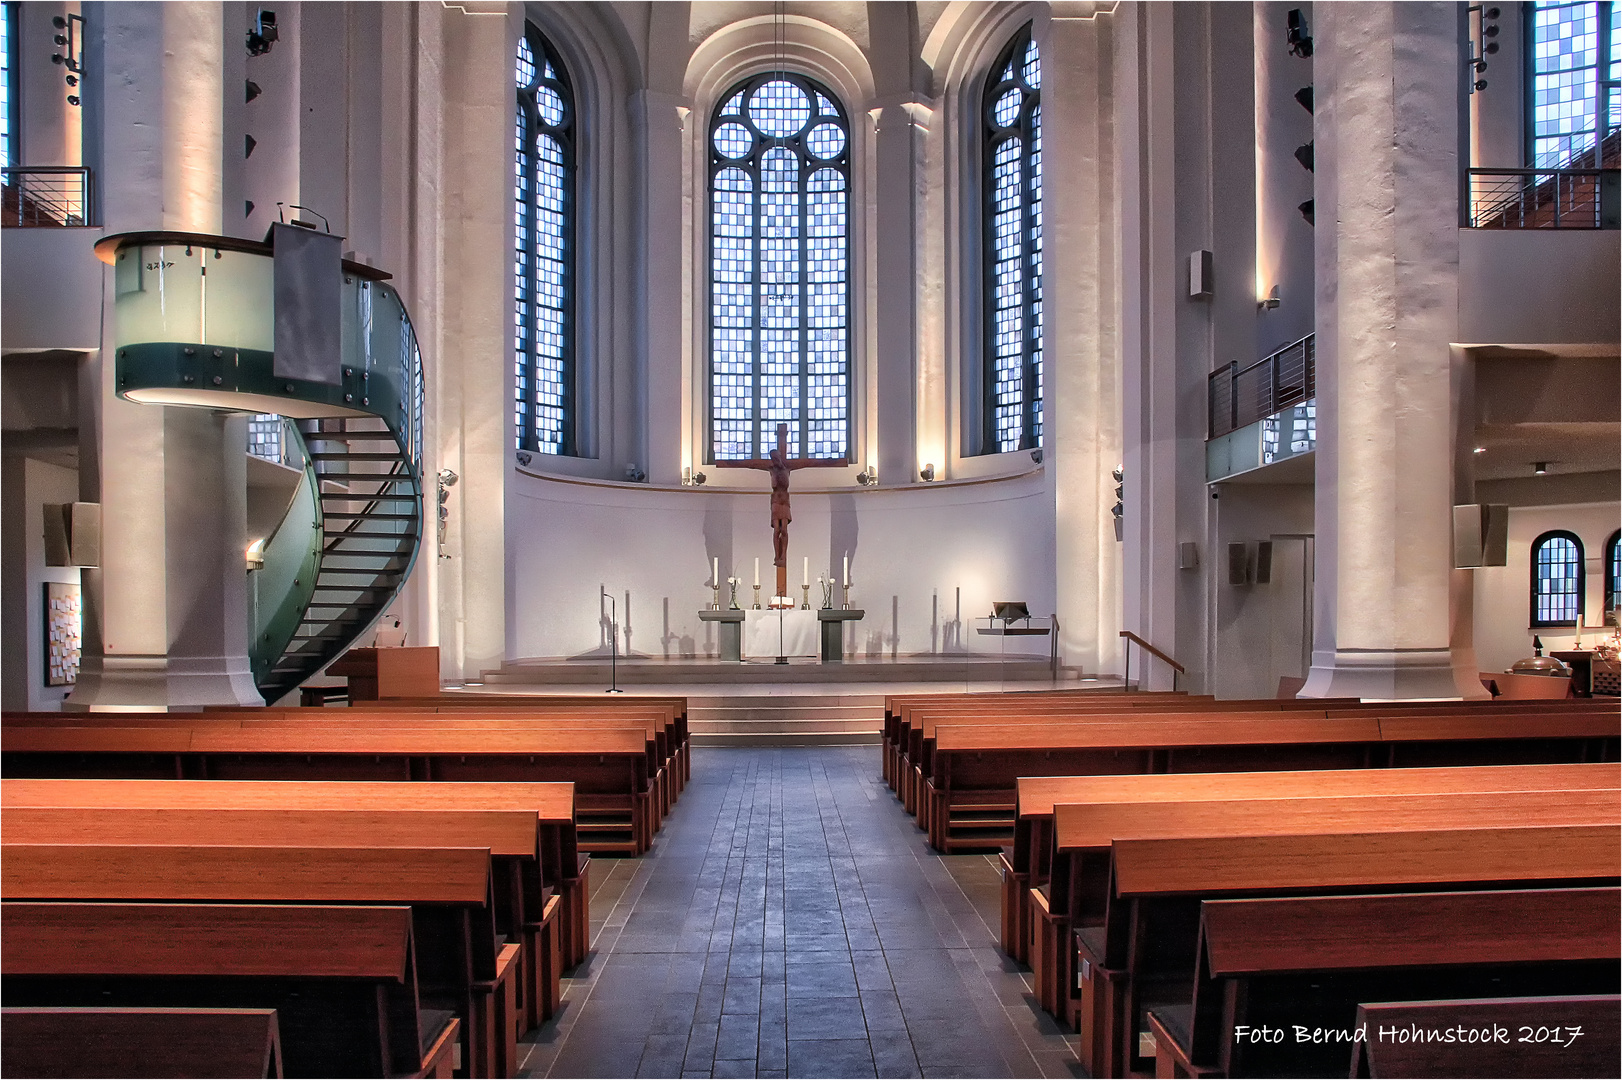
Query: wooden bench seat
x,y
84,1042
1026,865
608,766
1531,1051
1158,884
448,891
1277,962
341,980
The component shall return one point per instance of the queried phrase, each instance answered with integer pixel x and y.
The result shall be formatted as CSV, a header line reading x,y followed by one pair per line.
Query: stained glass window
x,y
8,86
1613,576
544,251
1012,235
1575,63
1557,579
779,183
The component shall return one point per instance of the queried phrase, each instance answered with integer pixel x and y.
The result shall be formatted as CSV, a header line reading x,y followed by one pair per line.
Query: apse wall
x,y
925,561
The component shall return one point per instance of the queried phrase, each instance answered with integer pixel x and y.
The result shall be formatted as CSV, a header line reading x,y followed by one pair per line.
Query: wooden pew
x,y
1157,885
1530,1053
342,980
1272,963
82,1042
1026,865
608,766
560,865
523,912
970,793
459,964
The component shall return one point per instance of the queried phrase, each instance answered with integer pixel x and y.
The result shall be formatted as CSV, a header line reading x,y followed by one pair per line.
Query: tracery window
x,y
1557,579
1575,52
544,251
1011,125
779,184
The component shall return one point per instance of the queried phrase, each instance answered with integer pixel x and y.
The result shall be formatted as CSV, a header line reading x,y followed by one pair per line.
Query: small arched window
x,y
1557,579
1613,576
544,251
1011,128
779,183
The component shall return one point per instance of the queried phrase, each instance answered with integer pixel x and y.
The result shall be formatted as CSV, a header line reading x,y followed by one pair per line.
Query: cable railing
x,y
1542,199
47,196
1239,397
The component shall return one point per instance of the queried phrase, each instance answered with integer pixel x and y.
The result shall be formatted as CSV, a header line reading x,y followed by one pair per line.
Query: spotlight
x,y
1481,449
1303,97
867,476
927,473
1297,37
1540,468
523,457
633,474
448,478
1271,300
699,479
1307,210
1036,455
253,90
248,143
263,34
1303,155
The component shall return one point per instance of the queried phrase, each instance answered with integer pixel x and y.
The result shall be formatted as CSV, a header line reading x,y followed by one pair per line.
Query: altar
x,y
761,629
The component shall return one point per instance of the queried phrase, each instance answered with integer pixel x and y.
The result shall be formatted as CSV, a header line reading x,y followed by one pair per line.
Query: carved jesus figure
x,y
779,465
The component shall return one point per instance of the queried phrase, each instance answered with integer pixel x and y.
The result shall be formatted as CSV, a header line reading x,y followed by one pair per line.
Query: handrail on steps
x,y
1126,678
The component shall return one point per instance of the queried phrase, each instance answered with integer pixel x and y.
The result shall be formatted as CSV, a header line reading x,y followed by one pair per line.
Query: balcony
x,y
1262,414
38,196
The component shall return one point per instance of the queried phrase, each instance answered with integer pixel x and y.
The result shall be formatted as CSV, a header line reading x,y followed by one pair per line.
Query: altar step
x,y
641,671
785,719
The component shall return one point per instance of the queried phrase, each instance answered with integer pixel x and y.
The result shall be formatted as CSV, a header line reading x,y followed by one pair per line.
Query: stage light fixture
x,y
1297,37
1303,97
1308,210
1303,156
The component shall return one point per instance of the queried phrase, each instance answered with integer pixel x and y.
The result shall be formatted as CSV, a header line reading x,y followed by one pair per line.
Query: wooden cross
x,y
779,464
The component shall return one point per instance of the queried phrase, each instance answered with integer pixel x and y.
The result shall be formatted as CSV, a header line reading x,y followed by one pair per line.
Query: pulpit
x,y
375,674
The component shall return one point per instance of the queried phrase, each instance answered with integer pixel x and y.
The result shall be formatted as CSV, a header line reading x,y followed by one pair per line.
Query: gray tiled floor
x,y
790,921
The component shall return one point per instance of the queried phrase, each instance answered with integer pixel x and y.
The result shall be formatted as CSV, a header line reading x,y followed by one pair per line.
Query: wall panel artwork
x,y
63,627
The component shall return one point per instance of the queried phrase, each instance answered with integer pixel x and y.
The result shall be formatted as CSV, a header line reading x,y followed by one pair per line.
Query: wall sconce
x,y
1270,301
927,473
867,476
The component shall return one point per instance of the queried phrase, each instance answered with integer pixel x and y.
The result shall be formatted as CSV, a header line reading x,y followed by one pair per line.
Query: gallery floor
x,y
791,921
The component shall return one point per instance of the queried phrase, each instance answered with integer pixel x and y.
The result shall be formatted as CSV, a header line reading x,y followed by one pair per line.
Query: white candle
x,y
715,570
847,572
805,574
757,571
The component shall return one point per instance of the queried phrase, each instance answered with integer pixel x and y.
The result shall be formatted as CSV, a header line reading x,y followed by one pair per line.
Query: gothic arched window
x,y
1613,577
779,183
1557,579
1011,126
544,251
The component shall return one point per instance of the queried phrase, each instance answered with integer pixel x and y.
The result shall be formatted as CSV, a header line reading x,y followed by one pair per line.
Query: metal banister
x,y
1176,668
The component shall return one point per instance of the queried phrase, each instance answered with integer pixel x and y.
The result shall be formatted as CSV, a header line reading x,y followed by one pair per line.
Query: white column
x,y
902,126
659,121
1386,135
1081,333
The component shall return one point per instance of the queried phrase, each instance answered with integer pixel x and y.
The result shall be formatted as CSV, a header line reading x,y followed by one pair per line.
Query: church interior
x,y
988,538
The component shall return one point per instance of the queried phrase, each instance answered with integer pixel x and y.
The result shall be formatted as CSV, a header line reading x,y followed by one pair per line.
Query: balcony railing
x,y
1542,199
47,197
1240,397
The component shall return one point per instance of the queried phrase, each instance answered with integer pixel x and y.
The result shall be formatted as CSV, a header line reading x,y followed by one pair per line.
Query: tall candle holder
x,y
805,601
715,605
757,598
846,593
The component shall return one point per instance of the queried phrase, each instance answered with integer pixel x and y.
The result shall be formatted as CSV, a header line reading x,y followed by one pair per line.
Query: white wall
x,y
1503,593
911,550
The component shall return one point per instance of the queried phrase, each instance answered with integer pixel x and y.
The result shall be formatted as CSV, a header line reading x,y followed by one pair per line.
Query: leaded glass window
x,y
779,182
1613,577
1557,579
1012,171
8,86
544,251
1575,63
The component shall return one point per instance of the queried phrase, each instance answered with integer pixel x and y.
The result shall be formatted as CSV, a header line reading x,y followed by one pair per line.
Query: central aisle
x,y
791,921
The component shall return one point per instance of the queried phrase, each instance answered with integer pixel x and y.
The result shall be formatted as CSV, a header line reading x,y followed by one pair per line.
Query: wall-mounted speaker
x,y
1188,555
1199,275
73,534
1480,535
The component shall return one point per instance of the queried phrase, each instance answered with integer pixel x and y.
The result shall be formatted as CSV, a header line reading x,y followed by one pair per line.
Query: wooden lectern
x,y
375,674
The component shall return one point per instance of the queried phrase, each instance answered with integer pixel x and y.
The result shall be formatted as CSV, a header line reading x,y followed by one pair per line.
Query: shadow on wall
x,y
843,533
683,643
718,514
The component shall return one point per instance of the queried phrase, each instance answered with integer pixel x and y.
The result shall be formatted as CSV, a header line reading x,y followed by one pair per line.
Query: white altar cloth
x,y
760,629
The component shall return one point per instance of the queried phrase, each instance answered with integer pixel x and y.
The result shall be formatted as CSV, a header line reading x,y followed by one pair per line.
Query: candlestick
x,y
715,572
757,595
715,605
805,600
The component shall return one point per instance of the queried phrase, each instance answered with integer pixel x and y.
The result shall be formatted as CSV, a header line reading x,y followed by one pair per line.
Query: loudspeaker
x,y
1480,535
1264,562
1188,555
1199,275
72,534
1238,564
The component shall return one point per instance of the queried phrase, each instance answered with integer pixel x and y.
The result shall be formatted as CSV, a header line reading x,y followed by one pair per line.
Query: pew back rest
x,y
1278,935
1225,731
248,940
394,875
130,1042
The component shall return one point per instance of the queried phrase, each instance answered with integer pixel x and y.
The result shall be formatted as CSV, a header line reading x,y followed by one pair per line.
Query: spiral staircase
x,y
198,326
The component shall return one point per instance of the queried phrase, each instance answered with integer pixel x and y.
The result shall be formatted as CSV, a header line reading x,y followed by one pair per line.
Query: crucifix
x,y
780,465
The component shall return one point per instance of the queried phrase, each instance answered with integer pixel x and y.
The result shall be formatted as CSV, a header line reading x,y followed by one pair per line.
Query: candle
x,y
757,571
847,572
715,570
805,574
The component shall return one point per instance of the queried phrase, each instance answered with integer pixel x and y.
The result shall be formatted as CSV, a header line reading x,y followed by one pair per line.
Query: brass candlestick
x,y
757,597
715,605
846,593
805,601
